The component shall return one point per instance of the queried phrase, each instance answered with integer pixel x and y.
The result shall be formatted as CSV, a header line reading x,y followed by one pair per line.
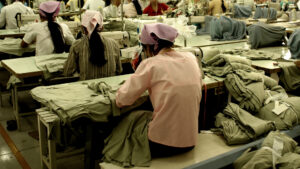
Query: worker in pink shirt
x,y
174,82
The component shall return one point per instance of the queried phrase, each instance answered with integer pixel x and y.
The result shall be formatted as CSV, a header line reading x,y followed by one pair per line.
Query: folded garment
x,y
12,46
128,145
261,35
243,126
290,77
288,118
242,11
289,161
289,144
294,43
227,29
270,13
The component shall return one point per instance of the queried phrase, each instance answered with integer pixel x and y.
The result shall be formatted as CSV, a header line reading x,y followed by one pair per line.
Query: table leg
x,y
42,141
16,106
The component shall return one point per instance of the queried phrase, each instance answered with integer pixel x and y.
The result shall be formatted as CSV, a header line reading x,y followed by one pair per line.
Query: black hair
x,y
161,45
138,7
80,3
223,6
56,34
96,48
4,3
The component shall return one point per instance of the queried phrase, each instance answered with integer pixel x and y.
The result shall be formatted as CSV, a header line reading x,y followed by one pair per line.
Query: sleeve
x,y
135,86
71,65
29,10
30,35
2,17
69,38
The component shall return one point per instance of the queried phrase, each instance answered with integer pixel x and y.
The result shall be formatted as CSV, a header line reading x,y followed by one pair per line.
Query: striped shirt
x,y
78,60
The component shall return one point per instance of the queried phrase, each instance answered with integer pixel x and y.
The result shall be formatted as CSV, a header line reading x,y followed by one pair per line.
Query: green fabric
x,y
128,144
247,127
285,120
290,77
289,161
289,144
243,159
254,54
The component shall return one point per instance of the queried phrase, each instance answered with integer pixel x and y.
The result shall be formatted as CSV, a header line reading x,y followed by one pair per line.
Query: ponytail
x,y
223,6
97,49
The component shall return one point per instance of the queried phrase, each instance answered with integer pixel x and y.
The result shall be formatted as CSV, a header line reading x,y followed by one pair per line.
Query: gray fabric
x,y
263,13
206,28
289,161
242,11
285,120
79,100
261,35
128,145
247,127
294,44
290,76
227,29
254,54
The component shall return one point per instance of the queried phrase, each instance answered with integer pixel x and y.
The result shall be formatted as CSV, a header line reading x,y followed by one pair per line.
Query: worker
x,y
8,14
174,82
113,10
94,5
216,7
93,56
49,36
132,9
75,4
156,8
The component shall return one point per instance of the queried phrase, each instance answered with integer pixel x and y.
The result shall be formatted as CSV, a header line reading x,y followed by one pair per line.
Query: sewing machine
x,y
29,18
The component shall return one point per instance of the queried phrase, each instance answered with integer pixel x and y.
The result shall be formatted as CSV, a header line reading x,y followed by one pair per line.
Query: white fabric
x,y
8,13
111,11
94,4
39,33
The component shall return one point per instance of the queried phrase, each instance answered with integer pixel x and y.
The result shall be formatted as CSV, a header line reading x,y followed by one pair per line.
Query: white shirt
x,y
39,33
129,10
111,11
8,13
94,4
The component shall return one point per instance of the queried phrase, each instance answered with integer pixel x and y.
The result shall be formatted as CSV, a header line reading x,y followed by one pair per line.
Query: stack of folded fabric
x,y
270,13
242,11
227,29
277,151
261,35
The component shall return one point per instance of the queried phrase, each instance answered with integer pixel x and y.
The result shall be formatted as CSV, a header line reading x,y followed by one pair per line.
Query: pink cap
x,y
90,19
50,7
152,32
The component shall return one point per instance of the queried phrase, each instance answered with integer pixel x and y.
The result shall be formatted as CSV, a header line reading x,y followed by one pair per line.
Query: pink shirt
x,y
174,82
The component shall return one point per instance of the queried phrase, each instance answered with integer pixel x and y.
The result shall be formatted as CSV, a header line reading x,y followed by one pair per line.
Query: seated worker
x,y
174,82
49,36
132,9
8,14
216,7
112,10
93,56
156,8
93,5
76,4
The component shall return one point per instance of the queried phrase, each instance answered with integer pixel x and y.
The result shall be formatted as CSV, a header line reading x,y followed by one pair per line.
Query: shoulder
x,y
109,41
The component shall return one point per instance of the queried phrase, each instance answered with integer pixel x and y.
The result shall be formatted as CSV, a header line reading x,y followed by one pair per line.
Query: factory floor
x,y
20,148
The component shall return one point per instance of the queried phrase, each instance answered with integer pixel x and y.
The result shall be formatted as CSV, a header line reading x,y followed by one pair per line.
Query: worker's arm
x,y
24,44
29,37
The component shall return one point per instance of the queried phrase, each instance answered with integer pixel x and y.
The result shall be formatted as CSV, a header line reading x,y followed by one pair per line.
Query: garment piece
x,y
111,11
90,19
160,8
263,13
206,29
12,46
290,77
242,11
40,34
94,5
152,32
289,161
288,142
294,43
128,145
49,7
287,119
261,35
215,7
254,54
227,29
78,60
129,10
8,13
174,82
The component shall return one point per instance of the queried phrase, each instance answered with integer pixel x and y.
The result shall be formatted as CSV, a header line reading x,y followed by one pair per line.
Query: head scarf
x,y
49,7
152,32
90,19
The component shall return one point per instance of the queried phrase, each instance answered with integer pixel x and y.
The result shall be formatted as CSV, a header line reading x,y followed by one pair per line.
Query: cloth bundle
x,y
254,54
206,29
242,11
261,35
264,13
128,145
239,126
288,118
294,44
290,76
222,64
277,151
227,29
